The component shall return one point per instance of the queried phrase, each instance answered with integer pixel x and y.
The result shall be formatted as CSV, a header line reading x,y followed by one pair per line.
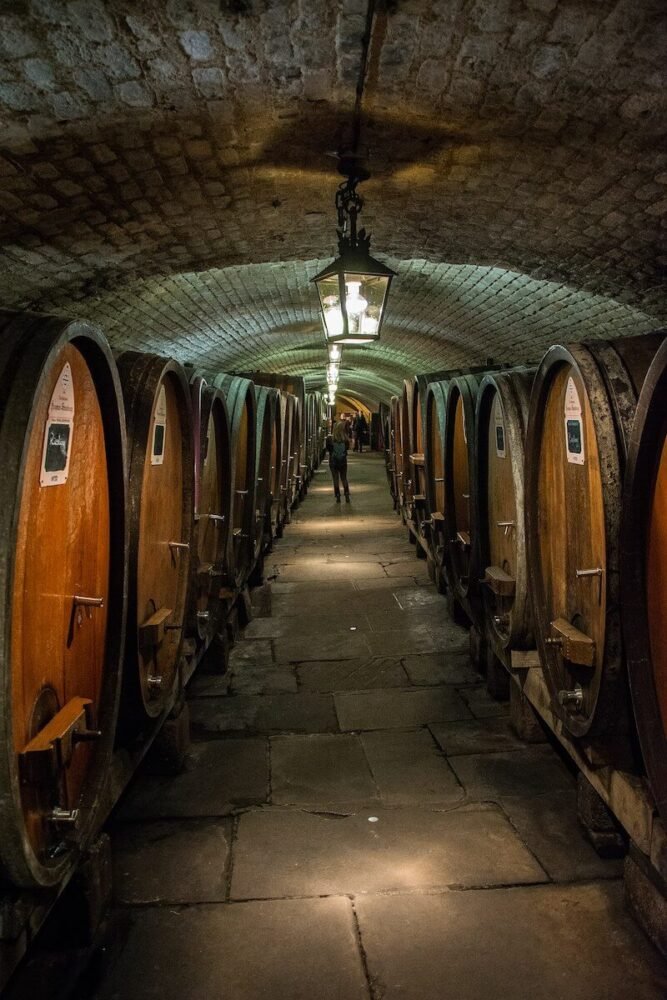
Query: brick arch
x,y
439,316
517,142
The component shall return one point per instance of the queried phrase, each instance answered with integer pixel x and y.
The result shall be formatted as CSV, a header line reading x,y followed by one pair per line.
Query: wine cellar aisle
x,y
356,816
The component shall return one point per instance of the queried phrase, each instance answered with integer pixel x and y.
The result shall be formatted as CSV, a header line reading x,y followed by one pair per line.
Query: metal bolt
x,y
63,817
572,699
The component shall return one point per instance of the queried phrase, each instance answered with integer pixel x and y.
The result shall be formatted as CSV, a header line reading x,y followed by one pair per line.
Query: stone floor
x,y
357,819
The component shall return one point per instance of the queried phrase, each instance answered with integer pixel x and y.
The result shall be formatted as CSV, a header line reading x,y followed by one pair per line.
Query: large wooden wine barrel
x,y
241,405
500,422
267,460
213,507
582,405
161,516
62,589
644,573
435,419
460,493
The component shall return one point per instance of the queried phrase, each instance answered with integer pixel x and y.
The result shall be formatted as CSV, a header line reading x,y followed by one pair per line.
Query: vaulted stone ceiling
x,y
165,170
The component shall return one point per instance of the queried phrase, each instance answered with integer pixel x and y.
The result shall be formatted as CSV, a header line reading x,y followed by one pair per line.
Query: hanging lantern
x,y
353,289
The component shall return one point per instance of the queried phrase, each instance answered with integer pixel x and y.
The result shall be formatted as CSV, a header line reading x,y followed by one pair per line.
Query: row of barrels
x,y
138,498
540,497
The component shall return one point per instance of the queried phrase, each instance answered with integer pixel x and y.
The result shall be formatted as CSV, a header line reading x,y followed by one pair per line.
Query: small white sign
x,y
159,434
58,432
574,426
499,428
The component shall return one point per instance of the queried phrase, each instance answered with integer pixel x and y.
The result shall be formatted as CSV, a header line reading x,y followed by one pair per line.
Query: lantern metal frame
x,y
354,261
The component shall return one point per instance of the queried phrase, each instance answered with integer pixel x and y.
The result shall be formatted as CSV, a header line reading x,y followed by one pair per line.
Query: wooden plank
x,y
417,458
151,631
71,715
463,538
576,646
498,581
625,794
525,659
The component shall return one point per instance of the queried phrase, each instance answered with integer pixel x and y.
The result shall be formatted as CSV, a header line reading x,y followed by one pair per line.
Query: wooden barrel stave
x,y
501,420
644,576
161,491
65,530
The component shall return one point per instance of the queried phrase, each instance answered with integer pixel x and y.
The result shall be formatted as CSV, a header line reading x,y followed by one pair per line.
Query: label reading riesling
x,y
58,433
159,428
574,428
499,428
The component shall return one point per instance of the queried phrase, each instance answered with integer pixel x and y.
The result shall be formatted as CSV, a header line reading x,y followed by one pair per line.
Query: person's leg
x,y
335,475
346,485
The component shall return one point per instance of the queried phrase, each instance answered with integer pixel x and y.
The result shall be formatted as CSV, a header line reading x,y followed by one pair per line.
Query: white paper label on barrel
x,y
499,429
159,429
574,427
59,431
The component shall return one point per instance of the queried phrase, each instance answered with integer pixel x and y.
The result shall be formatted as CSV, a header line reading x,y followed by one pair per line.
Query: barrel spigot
x,y
574,699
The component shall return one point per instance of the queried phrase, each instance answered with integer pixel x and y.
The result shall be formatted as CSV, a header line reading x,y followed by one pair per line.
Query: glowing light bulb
x,y
369,325
335,353
355,303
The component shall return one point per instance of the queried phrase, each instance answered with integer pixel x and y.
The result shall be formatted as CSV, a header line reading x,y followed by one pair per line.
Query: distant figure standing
x,y
360,431
337,445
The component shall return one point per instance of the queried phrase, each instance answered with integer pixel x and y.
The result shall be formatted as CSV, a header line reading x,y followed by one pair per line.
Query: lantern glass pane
x,y
329,292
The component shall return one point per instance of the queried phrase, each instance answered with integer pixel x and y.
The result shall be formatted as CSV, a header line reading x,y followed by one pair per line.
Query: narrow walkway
x,y
356,819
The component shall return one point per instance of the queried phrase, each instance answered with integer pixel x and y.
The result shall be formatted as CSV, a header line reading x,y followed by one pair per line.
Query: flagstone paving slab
x,y
352,675
174,862
302,713
548,824
409,769
325,646
295,853
320,771
496,775
476,736
398,709
519,944
218,777
440,668
296,949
